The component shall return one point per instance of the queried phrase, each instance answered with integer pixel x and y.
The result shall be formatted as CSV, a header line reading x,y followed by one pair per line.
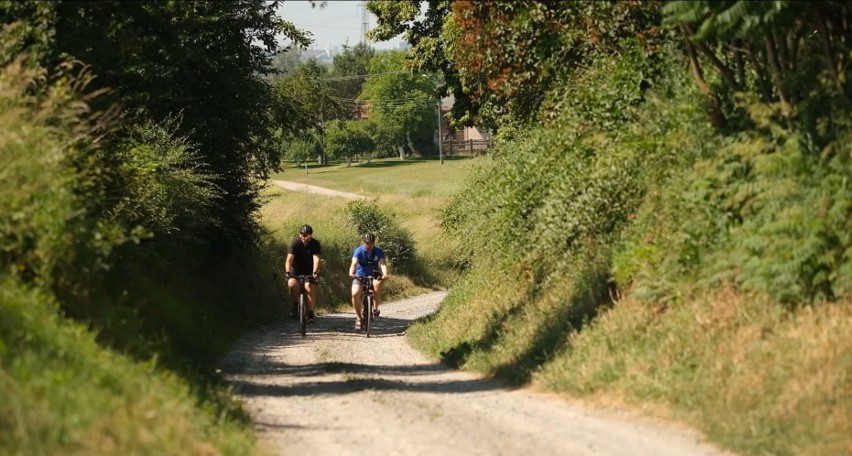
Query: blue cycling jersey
x,y
367,261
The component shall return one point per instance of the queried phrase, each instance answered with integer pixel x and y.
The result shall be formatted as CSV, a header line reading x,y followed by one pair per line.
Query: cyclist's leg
x,y
356,299
293,285
312,295
377,292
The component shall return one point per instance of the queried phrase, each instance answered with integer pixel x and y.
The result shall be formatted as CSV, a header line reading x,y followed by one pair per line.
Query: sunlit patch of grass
x,y
413,191
751,375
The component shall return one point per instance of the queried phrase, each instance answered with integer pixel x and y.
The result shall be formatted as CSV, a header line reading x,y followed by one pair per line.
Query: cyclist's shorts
x,y
357,281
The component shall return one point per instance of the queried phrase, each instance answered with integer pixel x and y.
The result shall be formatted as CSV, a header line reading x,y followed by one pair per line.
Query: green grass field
x,y
412,190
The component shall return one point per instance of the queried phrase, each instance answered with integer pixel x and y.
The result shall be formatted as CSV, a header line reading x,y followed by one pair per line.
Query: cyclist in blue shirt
x,y
367,259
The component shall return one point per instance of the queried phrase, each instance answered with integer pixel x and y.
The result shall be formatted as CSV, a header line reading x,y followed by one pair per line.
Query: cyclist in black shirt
x,y
303,258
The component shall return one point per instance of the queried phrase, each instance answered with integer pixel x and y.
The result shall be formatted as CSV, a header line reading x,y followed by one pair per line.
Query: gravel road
x,y
336,392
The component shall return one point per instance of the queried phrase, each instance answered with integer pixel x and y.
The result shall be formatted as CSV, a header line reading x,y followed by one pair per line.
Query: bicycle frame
x,y
368,292
303,301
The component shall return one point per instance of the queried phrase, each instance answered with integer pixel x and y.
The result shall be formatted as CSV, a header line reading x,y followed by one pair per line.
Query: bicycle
x,y
303,301
368,300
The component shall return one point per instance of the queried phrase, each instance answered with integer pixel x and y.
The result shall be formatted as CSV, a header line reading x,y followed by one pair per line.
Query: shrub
x,y
366,216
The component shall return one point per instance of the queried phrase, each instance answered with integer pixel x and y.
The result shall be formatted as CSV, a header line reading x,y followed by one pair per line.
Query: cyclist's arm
x,y
384,267
352,267
288,265
316,264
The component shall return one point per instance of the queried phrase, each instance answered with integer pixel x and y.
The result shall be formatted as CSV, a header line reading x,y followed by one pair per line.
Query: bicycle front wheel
x,y
303,315
368,314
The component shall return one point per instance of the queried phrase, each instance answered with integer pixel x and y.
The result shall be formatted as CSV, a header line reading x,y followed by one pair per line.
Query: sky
x,y
333,24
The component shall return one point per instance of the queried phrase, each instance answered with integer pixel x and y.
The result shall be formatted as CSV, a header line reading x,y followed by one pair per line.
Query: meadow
x,y
411,191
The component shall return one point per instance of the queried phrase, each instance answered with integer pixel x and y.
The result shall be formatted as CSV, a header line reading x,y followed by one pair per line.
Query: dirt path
x,y
296,187
336,392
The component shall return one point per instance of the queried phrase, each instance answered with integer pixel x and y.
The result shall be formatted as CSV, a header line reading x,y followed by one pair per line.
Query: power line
x,y
359,76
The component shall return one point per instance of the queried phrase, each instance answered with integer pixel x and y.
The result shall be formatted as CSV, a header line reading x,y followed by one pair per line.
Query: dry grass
x,y
753,377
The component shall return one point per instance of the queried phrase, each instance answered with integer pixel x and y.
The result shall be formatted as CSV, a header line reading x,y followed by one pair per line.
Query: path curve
x,y
336,392
297,187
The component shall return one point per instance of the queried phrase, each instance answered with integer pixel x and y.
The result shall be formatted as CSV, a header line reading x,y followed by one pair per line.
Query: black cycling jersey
x,y
303,255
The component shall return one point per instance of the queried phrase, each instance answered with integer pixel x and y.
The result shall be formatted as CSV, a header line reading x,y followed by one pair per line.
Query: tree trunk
x,y
408,140
739,65
717,117
776,73
758,70
829,55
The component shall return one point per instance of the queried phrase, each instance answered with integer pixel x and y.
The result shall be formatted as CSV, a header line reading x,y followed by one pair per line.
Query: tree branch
x,y
727,74
827,49
775,73
717,118
759,70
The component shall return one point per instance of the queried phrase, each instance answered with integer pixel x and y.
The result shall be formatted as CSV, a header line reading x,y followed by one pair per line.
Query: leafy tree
x,y
404,102
347,139
346,68
796,54
304,147
304,102
428,48
199,60
500,59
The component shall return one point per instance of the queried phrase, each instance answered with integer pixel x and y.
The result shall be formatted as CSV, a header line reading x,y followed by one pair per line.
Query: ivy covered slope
x,y
666,221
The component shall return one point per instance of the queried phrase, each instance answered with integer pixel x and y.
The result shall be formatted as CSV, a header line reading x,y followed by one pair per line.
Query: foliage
x,y
347,139
574,181
500,59
768,212
304,148
509,55
44,126
304,101
61,235
63,393
390,236
199,60
795,54
167,187
404,102
345,69
428,54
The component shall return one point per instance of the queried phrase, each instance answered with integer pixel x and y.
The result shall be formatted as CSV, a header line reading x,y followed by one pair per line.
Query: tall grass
x,y
62,389
61,393
410,191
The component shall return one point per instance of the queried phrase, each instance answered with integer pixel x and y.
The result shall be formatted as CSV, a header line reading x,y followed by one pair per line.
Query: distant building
x,y
322,55
450,134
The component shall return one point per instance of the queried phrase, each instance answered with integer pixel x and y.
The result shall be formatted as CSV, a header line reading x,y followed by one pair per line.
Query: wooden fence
x,y
467,147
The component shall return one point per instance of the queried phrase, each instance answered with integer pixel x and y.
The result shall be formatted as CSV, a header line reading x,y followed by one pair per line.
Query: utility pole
x,y
365,21
440,133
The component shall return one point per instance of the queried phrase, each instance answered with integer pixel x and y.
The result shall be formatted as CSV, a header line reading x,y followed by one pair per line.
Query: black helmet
x,y
368,237
306,229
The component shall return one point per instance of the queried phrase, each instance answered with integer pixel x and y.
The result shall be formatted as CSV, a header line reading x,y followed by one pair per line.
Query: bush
x,y
390,236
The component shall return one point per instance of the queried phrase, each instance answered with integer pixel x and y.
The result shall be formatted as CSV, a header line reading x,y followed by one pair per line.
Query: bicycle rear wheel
x,y
303,315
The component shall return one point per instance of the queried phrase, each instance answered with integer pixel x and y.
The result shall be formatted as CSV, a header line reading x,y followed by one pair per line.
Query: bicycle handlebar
x,y
374,277
304,278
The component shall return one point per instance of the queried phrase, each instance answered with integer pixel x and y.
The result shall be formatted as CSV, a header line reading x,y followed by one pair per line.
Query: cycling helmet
x,y
368,237
306,229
